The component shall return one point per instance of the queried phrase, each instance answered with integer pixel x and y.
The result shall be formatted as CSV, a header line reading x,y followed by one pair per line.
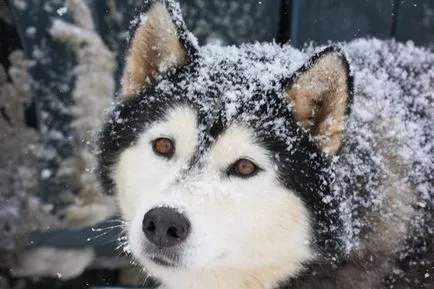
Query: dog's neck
x,y
264,278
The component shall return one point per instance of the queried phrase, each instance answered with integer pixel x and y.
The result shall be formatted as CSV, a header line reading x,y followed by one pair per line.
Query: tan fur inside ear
x,y
155,48
320,97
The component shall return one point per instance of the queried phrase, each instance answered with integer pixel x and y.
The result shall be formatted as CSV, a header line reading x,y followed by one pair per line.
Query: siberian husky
x,y
262,166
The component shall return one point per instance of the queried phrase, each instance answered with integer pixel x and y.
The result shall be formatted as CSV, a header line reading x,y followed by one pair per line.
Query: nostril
x,y
179,232
172,232
151,227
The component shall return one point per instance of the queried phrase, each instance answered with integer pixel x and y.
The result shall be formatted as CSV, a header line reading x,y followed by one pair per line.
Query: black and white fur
x,y
321,210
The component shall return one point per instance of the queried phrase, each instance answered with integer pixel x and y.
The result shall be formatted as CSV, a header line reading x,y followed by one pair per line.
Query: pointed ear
x,y
160,43
320,93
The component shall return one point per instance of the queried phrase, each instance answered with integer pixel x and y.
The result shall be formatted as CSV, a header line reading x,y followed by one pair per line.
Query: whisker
x,y
107,228
117,221
97,236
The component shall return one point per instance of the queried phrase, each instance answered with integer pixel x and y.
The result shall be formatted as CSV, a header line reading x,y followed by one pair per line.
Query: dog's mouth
x,y
163,261
164,257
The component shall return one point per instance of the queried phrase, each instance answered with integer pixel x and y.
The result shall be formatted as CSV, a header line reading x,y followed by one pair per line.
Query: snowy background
x,y
60,61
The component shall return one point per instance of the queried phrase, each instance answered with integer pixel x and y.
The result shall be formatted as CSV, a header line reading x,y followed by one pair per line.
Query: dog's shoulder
x,y
385,168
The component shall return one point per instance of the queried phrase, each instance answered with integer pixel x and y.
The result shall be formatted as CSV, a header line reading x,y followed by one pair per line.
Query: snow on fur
x,y
391,116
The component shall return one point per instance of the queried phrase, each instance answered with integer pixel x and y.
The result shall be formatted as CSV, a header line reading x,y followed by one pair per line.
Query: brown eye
x,y
243,168
164,147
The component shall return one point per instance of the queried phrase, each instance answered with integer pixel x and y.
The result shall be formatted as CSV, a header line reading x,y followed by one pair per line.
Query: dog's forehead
x,y
236,84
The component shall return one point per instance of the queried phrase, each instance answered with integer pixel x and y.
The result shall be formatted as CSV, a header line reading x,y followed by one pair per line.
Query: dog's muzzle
x,y
165,227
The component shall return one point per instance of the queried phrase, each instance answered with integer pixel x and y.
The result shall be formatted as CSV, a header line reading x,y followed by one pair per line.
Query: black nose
x,y
165,227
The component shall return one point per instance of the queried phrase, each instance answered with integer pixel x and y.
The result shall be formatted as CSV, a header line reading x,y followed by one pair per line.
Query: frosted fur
x,y
370,203
385,98
385,139
393,81
203,196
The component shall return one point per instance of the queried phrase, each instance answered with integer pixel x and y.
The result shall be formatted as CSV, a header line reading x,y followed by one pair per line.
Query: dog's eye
x,y
164,147
243,168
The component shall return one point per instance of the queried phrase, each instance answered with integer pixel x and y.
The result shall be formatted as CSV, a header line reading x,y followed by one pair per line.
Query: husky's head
x,y
219,156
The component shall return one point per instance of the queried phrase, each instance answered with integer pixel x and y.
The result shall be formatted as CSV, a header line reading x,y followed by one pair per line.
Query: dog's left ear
x,y
320,93
160,43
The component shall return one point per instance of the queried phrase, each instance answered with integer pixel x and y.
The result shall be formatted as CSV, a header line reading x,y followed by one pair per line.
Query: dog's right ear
x,y
160,43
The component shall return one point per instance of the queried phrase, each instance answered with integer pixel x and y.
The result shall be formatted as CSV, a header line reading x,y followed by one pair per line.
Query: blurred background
x,y
60,62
